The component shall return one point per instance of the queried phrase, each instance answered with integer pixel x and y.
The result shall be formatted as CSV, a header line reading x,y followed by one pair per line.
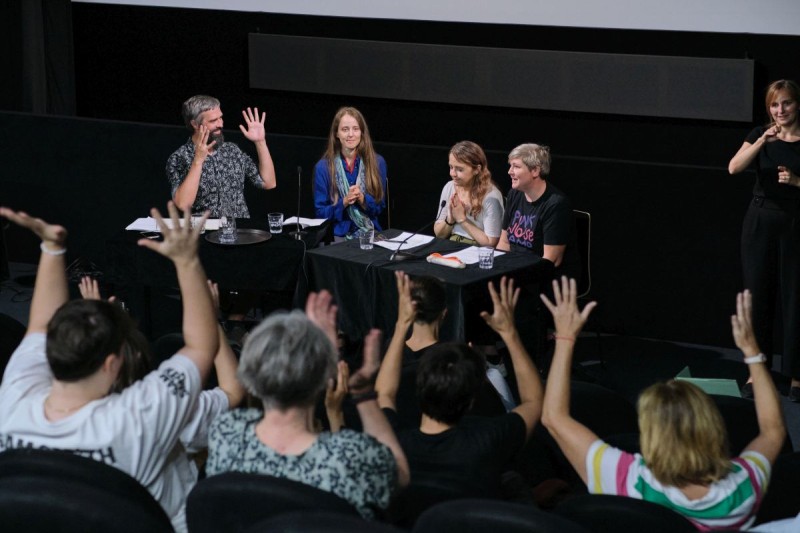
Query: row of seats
x,y
46,491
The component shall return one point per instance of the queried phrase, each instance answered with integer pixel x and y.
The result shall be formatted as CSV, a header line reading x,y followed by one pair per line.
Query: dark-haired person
x,y
685,463
350,179
771,229
470,453
207,173
473,210
55,392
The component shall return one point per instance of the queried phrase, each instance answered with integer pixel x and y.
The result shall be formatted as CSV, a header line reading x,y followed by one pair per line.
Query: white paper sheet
x,y
470,255
150,224
304,222
413,242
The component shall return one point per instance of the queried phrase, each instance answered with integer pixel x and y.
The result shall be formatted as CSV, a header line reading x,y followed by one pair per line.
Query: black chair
x,y
782,499
602,513
583,233
234,501
11,333
319,521
479,516
421,494
48,490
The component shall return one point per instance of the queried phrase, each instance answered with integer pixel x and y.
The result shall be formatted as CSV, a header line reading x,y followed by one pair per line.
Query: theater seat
x,y
319,522
479,516
47,491
235,501
602,513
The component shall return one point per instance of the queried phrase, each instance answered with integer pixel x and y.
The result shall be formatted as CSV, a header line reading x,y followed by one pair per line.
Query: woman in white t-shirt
x,y
473,205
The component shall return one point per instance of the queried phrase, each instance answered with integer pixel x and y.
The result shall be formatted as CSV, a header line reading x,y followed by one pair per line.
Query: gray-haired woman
x,y
287,362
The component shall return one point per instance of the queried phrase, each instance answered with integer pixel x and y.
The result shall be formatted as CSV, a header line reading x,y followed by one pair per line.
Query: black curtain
x,y
39,60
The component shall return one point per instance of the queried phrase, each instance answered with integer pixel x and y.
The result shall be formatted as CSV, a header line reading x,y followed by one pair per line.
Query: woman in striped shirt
x,y
684,463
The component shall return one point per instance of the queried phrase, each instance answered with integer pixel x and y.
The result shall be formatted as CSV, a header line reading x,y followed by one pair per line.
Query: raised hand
x,y
406,307
567,317
321,310
502,318
201,145
180,241
771,133
335,394
255,130
742,325
53,235
363,381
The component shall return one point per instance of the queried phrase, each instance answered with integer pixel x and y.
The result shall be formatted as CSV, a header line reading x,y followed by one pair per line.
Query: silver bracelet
x,y
758,358
48,251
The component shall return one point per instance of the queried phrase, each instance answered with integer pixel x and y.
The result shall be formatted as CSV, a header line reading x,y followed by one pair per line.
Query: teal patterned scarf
x,y
354,211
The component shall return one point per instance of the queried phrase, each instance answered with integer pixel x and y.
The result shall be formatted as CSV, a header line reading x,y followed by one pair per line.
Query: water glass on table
x,y
365,238
227,229
486,257
275,222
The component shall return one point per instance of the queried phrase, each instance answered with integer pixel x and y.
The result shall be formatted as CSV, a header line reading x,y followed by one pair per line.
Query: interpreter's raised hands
x,y
787,177
180,241
406,307
568,319
770,134
742,325
457,208
52,235
253,128
363,381
201,145
502,317
321,310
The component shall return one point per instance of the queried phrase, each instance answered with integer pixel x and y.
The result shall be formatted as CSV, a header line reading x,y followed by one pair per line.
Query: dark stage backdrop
x,y
666,214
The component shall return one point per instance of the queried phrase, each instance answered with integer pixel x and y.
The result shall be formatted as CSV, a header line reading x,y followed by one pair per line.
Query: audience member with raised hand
x,y
470,453
56,389
685,464
287,363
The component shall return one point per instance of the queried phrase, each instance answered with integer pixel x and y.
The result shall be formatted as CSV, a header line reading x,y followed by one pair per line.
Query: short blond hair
x,y
533,155
683,437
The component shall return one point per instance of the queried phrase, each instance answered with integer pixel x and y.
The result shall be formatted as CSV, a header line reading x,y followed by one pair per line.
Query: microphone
x,y
397,255
298,233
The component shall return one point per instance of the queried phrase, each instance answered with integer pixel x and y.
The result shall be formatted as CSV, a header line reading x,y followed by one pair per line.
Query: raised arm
x,y
772,431
748,152
50,291
373,420
199,320
334,396
502,321
572,437
225,362
256,133
388,380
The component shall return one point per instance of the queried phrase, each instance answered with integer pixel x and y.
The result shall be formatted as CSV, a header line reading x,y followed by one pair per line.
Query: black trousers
x,y
771,270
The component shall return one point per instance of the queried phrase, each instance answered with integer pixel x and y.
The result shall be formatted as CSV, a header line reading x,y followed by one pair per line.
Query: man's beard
x,y
216,136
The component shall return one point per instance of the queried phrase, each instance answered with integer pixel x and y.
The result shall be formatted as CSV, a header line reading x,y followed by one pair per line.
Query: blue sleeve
x,y
373,208
323,206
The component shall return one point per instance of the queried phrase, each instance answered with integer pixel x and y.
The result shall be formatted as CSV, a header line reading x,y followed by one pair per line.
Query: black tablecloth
x,y
270,266
363,283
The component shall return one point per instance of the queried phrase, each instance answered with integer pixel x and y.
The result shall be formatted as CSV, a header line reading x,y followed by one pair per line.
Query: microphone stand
x,y
298,233
397,255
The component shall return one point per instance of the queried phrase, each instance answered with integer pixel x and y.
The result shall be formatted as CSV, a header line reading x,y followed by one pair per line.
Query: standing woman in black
x,y
771,229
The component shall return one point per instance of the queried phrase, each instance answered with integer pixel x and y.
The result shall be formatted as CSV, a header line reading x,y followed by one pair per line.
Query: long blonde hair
x,y
364,149
470,153
683,437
